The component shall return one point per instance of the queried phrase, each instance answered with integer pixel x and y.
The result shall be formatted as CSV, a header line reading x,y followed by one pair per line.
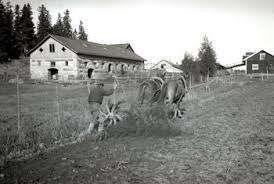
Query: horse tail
x,y
182,78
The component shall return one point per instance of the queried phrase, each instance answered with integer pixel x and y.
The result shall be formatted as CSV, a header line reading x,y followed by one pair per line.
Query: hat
x,y
100,76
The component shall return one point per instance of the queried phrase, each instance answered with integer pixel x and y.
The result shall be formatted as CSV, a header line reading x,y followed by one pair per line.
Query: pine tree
x,y
82,34
11,34
75,34
7,39
3,34
67,24
58,28
207,57
44,23
29,39
18,32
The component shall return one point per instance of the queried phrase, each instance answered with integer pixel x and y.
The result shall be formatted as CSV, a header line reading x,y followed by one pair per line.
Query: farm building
x,y
258,62
61,58
164,65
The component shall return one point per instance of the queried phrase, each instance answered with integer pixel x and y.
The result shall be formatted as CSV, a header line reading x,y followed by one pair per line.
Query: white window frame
x,y
255,67
262,56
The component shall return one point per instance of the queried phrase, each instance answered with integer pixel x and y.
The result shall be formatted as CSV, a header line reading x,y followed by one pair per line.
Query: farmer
x,y
97,92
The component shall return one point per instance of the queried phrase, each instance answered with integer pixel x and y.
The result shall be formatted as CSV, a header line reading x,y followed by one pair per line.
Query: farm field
x,y
225,136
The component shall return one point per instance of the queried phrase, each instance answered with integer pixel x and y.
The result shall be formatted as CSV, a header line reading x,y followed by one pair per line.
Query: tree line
x,y
206,62
17,29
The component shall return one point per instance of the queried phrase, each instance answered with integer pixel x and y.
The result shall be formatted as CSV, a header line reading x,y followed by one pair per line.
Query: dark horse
x,y
171,91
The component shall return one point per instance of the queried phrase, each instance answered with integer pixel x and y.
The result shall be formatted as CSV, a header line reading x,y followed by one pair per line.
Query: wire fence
x,y
34,114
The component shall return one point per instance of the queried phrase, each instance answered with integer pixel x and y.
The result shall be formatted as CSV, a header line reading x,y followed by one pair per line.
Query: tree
x,y
82,33
75,34
207,57
29,39
67,24
44,23
187,63
58,28
18,33
3,34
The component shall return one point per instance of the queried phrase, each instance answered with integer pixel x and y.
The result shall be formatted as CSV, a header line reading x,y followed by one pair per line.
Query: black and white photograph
x,y
137,91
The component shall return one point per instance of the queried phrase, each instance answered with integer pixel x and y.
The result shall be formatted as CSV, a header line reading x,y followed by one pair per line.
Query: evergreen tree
x,y
207,57
44,23
3,34
18,32
82,34
10,31
58,28
67,25
29,39
75,34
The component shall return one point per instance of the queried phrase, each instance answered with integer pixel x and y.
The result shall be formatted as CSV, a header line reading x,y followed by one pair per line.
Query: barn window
x,y
52,63
41,50
255,66
262,56
63,49
66,63
51,48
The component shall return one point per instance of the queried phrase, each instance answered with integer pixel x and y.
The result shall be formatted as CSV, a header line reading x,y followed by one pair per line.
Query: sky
x,y
166,29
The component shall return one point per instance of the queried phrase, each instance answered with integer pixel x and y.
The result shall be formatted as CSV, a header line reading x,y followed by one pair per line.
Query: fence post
x,y
18,106
190,81
58,105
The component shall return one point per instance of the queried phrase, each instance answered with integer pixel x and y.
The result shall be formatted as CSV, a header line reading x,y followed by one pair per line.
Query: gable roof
x,y
250,56
92,49
176,68
124,45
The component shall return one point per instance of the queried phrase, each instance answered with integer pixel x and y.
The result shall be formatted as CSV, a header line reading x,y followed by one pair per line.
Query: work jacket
x,y
97,94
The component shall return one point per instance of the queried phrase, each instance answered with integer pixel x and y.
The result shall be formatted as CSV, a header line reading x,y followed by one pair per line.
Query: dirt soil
x,y
227,137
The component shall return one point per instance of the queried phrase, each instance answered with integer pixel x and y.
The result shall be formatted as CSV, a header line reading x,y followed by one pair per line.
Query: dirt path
x,y
227,137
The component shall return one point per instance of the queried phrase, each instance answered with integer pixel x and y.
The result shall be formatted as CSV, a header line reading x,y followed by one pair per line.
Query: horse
x,y
172,92
150,89
156,90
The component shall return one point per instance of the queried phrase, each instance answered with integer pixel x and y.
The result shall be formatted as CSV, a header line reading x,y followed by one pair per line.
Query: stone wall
x,y
41,61
111,65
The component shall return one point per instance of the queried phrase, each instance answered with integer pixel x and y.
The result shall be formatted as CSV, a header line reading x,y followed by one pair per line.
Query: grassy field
x,y
225,136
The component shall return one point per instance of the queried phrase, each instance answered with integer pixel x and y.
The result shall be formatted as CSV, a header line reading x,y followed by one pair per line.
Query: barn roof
x,y
93,49
176,68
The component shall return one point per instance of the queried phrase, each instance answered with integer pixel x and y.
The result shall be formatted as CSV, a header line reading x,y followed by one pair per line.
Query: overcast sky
x,y
165,29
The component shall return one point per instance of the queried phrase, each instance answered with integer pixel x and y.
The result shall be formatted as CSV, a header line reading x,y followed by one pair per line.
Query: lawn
x,y
225,136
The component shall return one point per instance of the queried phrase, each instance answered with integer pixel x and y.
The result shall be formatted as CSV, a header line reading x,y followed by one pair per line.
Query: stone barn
x,y
60,58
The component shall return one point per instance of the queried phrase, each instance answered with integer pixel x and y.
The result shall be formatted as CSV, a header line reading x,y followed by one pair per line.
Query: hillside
x,y
227,136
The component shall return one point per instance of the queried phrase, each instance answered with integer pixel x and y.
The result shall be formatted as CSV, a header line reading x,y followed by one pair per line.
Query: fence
x,y
43,113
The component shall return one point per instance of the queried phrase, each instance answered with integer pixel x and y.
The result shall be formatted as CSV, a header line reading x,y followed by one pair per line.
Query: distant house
x,y
163,65
57,57
259,62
